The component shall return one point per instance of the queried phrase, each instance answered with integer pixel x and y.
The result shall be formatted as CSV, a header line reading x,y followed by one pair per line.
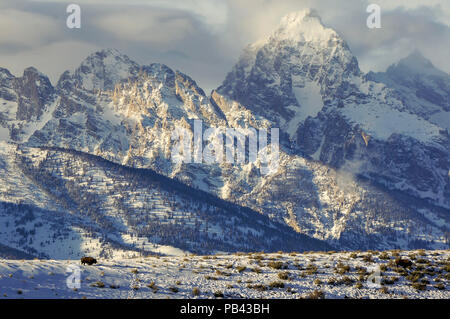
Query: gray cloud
x,y
403,30
204,38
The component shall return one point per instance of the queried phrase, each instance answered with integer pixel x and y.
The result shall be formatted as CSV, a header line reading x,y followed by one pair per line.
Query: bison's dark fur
x,y
88,260
403,262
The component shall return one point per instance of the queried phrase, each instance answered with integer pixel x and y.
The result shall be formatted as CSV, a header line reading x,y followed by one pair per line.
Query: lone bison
x,y
403,262
88,260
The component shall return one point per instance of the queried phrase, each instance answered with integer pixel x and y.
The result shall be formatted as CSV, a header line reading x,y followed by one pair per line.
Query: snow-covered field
x,y
257,275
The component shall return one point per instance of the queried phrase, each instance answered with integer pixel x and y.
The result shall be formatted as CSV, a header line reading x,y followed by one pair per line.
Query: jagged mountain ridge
x,y
128,119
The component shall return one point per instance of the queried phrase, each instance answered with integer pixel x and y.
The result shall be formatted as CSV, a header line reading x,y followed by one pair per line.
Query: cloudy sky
x,y
204,38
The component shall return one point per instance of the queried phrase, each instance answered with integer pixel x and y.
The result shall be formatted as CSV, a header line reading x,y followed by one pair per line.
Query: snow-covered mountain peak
x,y
32,71
32,75
103,69
416,59
416,63
291,74
301,26
106,56
4,73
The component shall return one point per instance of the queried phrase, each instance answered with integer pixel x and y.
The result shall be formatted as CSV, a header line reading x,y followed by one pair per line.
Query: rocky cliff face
x,y
24,102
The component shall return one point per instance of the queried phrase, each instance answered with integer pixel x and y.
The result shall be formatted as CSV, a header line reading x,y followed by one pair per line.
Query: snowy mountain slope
x,y
423,88
11,253
36,223
356,168
34,232
108,209
255,276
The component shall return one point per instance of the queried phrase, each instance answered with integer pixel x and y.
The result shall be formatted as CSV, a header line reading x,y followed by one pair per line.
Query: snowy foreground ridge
x,y
253,275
